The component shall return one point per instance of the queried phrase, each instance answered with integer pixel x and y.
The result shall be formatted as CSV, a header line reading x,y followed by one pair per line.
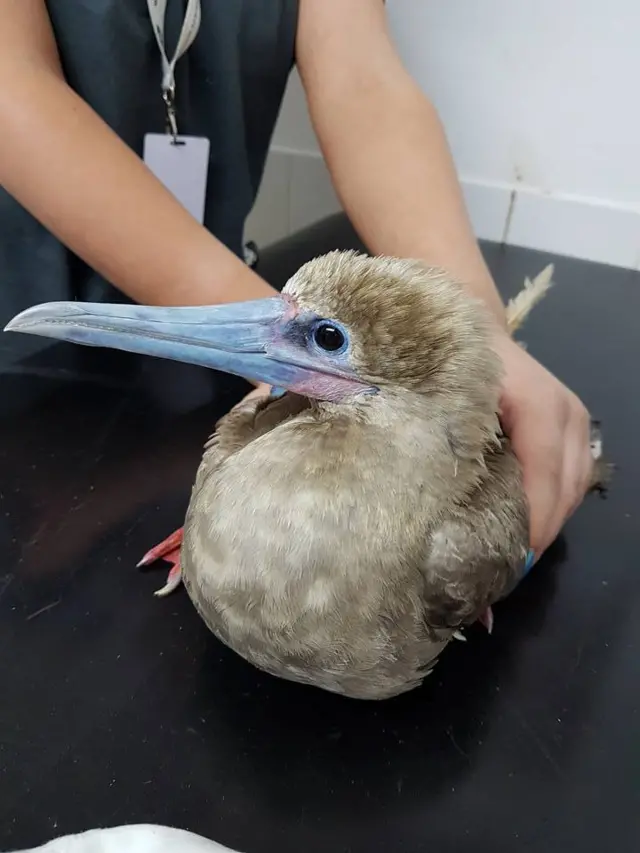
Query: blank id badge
x,y
182,165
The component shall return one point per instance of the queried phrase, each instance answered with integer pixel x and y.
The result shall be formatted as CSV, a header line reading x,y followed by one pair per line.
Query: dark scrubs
x,y
229,85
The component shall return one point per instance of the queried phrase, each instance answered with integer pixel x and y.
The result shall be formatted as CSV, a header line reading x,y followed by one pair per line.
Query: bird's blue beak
x,y
248,339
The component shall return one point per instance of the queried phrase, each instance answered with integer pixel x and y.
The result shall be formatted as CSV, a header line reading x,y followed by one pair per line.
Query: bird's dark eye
x,y
328,337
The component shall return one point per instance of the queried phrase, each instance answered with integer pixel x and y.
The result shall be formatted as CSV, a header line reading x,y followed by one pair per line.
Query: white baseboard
x,y
562,224
297,191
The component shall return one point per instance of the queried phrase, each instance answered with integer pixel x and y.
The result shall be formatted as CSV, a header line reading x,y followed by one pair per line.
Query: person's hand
x,y
262,389
549,428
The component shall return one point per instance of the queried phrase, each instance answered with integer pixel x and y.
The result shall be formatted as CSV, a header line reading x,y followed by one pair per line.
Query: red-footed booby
x,y
342,533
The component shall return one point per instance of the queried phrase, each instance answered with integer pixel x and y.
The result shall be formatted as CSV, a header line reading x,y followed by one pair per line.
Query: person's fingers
x,y
261,390
556,469
541,462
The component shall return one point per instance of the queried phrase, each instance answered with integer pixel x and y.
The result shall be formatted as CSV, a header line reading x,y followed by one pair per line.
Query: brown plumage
x,y
342,545
342,538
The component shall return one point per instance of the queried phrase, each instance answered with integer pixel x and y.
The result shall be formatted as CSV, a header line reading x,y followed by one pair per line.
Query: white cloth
x,y
137,838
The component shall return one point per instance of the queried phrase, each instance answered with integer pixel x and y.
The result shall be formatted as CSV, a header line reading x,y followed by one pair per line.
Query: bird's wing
x,y
477,552
246,422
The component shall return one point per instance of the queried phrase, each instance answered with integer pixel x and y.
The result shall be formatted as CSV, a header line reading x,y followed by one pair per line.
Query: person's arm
x,y
73,173
384,143
394,174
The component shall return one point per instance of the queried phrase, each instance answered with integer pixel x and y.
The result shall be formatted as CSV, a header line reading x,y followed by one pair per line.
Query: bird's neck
x,y
447,437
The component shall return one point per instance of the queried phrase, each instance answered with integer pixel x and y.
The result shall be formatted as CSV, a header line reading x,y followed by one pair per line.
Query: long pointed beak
x,y
247,339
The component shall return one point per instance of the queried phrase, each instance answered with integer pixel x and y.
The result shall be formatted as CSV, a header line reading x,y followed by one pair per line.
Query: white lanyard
x,y
190,27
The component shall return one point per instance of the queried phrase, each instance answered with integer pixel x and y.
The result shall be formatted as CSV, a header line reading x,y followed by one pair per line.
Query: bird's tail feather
x,y
519,307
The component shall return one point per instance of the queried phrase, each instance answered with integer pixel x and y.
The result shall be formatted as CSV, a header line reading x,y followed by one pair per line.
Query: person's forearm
x,y
71,172
393,171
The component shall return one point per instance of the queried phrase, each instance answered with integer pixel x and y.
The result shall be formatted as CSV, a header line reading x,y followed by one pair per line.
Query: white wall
x,y
296,189
541,102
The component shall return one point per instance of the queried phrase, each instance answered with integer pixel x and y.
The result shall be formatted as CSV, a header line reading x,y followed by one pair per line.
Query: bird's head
x,y
346,327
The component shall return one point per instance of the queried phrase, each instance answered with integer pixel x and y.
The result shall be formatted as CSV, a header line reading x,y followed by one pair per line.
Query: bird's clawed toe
x,y
487,619
174,577
168,550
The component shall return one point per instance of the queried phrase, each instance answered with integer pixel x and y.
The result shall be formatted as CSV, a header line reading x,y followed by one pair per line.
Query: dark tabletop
x,y
118,707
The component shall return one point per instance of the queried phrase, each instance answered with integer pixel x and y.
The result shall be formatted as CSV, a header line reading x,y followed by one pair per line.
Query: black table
x,y
117,707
